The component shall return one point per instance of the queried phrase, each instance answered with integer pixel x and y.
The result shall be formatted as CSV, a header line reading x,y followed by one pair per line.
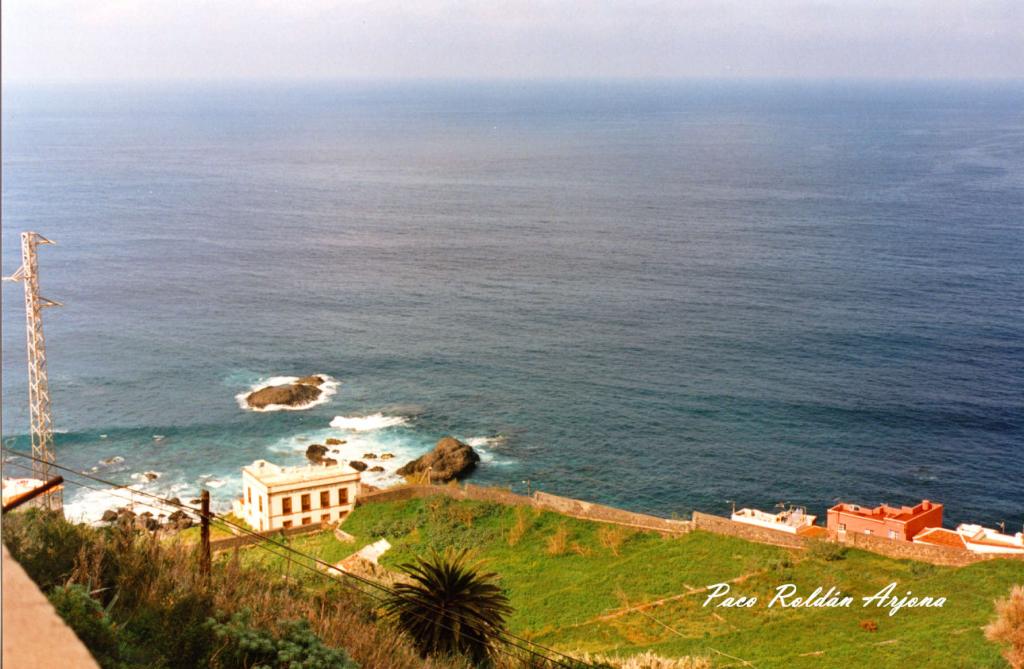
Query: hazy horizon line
x,y
389,81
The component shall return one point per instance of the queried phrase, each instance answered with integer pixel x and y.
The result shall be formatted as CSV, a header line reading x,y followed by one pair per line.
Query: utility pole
x,y
204,534
40,418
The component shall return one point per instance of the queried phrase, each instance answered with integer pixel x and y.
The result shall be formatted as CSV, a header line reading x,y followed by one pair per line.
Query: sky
x,y
56,41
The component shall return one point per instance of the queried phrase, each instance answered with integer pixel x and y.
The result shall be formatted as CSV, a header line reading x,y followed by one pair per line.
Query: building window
x,y
306,520
892,534
250,495
325,518
259,498
868,532
305,503
325,499
287,524
842,527
286,505
342,495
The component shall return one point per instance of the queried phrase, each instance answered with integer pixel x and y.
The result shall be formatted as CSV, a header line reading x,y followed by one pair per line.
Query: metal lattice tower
x,y
38,385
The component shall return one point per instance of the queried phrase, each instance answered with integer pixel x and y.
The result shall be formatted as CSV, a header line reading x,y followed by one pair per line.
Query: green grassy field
x,y
578,585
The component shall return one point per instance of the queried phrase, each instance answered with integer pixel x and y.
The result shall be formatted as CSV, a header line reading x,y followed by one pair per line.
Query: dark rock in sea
x,y
109,516
293,394
315,453
151,476
369,456
450,459
311,380
180,520
331,441
377,468
386,456
329,462
357,465
174,501
195,501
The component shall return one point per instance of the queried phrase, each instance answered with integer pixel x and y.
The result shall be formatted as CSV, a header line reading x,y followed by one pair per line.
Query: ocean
x,y
660,296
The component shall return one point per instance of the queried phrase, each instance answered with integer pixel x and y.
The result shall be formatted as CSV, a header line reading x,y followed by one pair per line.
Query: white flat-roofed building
x,y
276,497
793,520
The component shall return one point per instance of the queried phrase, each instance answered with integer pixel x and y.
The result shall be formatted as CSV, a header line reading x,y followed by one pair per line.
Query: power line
x,y
316,560
228,524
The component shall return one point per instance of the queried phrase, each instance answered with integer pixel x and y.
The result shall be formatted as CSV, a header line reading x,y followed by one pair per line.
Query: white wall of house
x,y
284,500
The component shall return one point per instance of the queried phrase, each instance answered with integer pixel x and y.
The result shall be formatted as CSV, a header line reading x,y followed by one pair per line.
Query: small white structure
x,y
276,497
984,540
792,520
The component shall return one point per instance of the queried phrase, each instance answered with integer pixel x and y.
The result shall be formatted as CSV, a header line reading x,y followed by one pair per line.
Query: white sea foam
x,y
375,421
488,448
327,390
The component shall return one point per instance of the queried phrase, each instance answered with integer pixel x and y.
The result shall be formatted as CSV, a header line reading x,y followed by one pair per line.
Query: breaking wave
x,y
377,421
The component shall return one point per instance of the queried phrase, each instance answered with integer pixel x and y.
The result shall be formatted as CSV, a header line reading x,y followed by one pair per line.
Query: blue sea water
x,y
658,296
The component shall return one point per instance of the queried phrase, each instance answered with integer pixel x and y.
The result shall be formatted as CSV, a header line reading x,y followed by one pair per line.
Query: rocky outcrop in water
x,y
315,453
331,441
291,394
357,465
450,459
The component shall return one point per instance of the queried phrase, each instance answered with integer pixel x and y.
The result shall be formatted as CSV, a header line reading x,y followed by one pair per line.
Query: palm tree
x,y
450,607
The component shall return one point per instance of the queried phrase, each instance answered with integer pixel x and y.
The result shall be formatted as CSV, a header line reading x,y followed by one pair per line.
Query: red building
x,y
891,522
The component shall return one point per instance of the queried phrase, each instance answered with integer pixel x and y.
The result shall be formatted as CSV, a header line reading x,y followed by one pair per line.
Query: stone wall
x,y
702,521
563,505
246,539
761,535
606,514
908,550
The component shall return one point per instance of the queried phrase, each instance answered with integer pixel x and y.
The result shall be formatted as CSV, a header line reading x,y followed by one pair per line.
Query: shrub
x,y
919,569
243,646
869,625
1008,627
90,622
829,551
45,545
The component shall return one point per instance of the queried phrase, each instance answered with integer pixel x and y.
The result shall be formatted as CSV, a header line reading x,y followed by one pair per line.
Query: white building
x,y
276,497
794,520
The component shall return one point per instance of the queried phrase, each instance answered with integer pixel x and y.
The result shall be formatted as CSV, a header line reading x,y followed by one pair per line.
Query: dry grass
x,y
519,528
612,537
153,573
647,660
558,542
1008,627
